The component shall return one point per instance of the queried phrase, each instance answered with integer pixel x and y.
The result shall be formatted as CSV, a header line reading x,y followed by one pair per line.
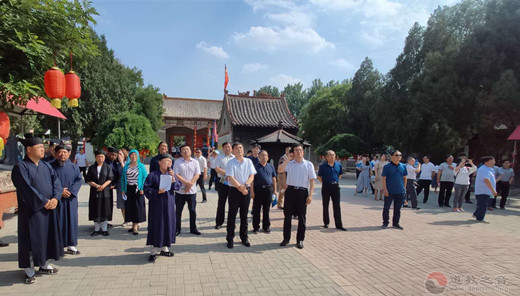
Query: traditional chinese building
x,y
189,118
259,118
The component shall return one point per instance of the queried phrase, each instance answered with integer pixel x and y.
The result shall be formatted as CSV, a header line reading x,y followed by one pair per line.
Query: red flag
x,y
226,79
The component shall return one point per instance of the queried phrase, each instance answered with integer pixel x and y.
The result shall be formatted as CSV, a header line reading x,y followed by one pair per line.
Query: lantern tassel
x,y
56,103
1,146
73,103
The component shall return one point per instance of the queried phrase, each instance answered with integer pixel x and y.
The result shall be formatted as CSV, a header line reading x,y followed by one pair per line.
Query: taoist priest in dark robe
x,y
161,208
70,179
38,191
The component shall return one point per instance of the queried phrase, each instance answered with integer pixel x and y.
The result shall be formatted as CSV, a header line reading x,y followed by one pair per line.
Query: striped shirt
x,y
132,174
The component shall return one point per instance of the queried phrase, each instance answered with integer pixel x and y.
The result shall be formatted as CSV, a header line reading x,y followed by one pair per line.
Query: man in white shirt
x,y
425,179
187,171
212,160
446,178
412,171
204,171
223,186
81,161
240,173
300,185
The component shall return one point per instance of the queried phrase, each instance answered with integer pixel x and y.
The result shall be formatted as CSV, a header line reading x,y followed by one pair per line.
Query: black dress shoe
x,y
255,231
218,226
267,230
110,225
177,232
196,232
95,233
105,233
385,226
416,208
398,227
246,243
424,201
341,228
325,226
152,258
230,244
204,201
284,243
469,202
405,206
299,245
135,232
2,244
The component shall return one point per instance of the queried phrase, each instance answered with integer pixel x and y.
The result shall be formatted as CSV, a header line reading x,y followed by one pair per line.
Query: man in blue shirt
x,y
329,173
394,178
262,191
485,187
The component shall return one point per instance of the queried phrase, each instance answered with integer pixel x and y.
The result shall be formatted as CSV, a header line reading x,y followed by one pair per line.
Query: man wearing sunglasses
x,y
394,177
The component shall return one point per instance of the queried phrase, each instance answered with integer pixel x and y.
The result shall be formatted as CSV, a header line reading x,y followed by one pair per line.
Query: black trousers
x,y
398,200
84,171
213,178
295,204
200,182
328,192
237,202
262,201
424,184
445,193
503,188
180,200
223,192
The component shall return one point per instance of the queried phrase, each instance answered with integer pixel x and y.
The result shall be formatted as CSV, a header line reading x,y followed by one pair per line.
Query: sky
x,y
182,46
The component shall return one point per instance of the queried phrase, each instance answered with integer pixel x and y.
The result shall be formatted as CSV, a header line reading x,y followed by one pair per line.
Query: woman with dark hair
x,y
99,177
132,183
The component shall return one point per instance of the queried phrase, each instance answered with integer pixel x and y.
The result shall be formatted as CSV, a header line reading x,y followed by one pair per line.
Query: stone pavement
x,y
476,258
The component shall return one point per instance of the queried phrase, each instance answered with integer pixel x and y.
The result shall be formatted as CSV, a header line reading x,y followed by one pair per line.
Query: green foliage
x,y
345,145
296,98
321,116
31,33
273,91
127,129
149,103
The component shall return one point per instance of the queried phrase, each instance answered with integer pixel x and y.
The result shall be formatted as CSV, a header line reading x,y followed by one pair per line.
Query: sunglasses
x,y
398,155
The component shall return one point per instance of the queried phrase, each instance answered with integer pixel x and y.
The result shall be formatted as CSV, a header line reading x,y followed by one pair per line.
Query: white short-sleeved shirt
x,y
202,163
240,170
448,175
411,172
426,171
299,174
81,159
212,162
186,169
222,161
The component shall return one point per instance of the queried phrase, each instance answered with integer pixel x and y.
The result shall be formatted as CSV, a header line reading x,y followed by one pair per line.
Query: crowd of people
x,y
490,182
47,192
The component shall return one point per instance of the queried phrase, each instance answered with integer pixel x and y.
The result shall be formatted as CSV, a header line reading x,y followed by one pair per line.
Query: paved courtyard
x,y
476,259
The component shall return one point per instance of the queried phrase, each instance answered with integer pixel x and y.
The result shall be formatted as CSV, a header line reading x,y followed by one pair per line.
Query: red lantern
x,y
54,81
5,125
72,88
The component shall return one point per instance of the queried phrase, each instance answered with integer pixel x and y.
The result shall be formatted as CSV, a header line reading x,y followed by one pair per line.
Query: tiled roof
x,y
259,111
281,136
192,108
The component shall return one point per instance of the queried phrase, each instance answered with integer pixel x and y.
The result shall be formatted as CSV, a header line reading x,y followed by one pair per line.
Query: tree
x,y
345,145
33,34
296,98
127,129
360,102
321,116
273,91
149,103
